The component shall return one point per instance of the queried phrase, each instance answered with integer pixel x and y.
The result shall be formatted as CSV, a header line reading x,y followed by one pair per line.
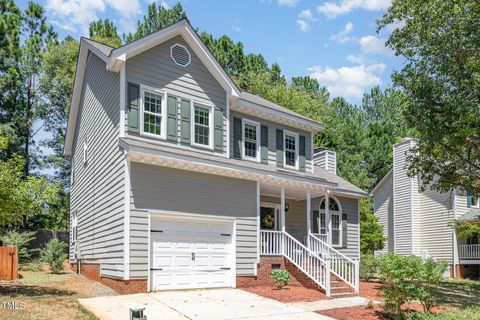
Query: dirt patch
x,y
43,295
288,294
371,291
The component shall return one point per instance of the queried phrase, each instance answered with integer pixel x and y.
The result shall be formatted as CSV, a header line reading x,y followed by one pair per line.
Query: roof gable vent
x,y
180,55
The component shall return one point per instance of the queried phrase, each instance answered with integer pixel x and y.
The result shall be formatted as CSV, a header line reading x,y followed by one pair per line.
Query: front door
x,y
269,216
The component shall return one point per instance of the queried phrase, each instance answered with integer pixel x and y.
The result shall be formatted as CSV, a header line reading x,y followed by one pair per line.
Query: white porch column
x,y
309,220
328,219
282,208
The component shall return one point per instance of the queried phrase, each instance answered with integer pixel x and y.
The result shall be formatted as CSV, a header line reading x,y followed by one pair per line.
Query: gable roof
x,y
115,58
385,178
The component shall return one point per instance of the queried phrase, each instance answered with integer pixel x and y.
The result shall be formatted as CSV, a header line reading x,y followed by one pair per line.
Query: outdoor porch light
x,y
287,206
136,313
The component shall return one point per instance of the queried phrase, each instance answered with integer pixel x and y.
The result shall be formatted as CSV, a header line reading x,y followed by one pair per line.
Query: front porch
x,y
311,231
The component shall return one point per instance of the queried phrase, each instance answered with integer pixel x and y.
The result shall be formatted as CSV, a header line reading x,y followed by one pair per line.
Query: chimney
x,y
325,159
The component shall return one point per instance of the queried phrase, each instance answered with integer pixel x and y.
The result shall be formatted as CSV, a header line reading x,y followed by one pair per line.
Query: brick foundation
x,y
92,271
470,271
263,278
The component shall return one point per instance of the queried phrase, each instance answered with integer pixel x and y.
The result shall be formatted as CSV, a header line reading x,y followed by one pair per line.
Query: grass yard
x,y
49,296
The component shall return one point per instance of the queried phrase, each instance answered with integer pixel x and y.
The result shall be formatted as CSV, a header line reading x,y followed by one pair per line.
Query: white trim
x,y
149,282
177,215
186,50
328,219
85,151
309,212
257,126
312,164
210,125
282,208
296,136
358,230
163,126
126,218
258,226
227,131
393,205
121,125
412,217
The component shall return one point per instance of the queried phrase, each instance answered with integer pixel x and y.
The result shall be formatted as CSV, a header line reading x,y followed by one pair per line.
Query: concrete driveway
x,y
221,304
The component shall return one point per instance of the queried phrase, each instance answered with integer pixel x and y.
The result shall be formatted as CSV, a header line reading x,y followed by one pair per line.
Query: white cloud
x,y
76,15
304,19
373,45
333,9
236,25
348,81
288,3
343,36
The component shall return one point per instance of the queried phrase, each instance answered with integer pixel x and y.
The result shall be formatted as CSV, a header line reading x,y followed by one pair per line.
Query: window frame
x,y
163,115
296,136
194,104
257,126
332,213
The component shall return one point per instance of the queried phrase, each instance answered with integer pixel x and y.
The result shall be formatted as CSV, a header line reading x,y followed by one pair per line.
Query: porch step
x,y
335,295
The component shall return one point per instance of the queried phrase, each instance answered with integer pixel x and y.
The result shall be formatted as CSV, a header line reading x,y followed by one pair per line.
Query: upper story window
x,y
251,140
153,117
472,201
202,126
291,149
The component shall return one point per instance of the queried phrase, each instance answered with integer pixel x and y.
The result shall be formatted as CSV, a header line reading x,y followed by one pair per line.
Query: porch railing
x,y
312,265
341,266
470,251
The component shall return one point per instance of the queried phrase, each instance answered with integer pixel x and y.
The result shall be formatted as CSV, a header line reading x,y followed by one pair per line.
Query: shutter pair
x,y
301,150
172,129
237,140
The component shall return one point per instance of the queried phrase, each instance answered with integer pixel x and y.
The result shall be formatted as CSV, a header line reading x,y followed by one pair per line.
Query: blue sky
x,y
334,41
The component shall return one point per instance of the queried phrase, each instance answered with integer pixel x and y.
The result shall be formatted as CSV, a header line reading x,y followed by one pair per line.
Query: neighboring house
x,y
180,180
420,223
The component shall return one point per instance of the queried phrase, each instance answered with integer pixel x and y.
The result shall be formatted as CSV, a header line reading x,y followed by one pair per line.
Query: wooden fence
x,y
8,263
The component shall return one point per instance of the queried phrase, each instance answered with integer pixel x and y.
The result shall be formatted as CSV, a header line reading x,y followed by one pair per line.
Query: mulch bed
x,y
288,293
371,291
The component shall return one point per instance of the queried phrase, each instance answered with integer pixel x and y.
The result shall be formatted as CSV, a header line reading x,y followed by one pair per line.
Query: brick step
x,y
334,290
335,295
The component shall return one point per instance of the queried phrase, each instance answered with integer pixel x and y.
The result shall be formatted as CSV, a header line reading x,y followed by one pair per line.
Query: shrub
x,y
280,277
21,240
407,278
54,254
368,266
34,265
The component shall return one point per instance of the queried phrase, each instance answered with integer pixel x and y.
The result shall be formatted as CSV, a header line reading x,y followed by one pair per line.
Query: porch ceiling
x,y
290,193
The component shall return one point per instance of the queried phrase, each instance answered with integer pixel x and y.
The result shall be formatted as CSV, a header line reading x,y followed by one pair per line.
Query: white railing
x,y
470,251
320,236
341,266
281,243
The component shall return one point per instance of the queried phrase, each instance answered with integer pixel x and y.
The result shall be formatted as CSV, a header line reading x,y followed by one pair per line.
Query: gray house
x,y
420,223
180,180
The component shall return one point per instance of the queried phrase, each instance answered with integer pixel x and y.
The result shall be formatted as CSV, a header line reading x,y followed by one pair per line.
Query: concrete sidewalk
x,y
221,304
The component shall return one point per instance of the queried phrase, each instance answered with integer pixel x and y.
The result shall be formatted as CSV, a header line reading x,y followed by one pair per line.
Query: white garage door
x,y
191,253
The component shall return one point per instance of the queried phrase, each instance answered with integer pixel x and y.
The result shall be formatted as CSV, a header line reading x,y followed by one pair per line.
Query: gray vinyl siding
x,y
416,216
436,236
321,160
402,200
155,68
98,189
296,220
272,146
383,209
159,188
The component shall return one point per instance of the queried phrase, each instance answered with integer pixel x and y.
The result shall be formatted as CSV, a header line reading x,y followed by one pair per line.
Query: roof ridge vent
x,y
180,55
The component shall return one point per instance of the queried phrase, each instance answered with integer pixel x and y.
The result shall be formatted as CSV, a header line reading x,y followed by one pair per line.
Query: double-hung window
x,y
153,112
291,150
202,126
251,140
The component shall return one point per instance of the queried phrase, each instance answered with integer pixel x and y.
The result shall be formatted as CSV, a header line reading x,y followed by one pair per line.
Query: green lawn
x,y
49,296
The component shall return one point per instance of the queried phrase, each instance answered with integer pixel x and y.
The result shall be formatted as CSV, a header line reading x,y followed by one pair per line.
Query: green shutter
x,y
344,230
301,153
469,199
279,148
172,129
237,138
218,129
315,226
133,107
185,110
264,144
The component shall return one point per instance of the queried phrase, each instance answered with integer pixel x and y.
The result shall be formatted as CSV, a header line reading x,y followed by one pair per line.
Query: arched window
x,y
320,221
